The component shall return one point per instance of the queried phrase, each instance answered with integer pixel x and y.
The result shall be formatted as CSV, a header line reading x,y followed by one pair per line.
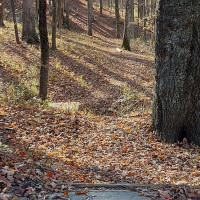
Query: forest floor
x,y
95,127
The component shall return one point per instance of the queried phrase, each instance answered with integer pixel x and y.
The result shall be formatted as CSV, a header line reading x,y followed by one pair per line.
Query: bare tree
x,y
44,49
14,21
28,23
66,19
117,18
89,16
1,13
126,35
54,24
101,8
132,19
60,11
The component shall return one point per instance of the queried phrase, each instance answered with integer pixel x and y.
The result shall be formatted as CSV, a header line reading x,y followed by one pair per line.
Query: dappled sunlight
x,y
96,149
95,125
115,82
66,106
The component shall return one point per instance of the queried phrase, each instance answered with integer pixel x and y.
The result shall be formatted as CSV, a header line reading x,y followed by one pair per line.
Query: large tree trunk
x,y
117,18
44,49
1,13
176,110
126,35
28,23
89,17
14,21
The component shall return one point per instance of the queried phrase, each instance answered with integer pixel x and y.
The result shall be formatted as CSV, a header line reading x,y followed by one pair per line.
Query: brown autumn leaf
x,y
50,174
66,193
22,154
81,192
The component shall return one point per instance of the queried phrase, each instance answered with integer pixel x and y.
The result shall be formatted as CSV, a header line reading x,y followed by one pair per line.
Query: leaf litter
x,y
50,148
43,150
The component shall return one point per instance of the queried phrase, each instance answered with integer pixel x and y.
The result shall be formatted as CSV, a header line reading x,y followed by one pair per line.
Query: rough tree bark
x,y
126,35
44,50
1,13
14,21
89,16
176,110
28,23
117,18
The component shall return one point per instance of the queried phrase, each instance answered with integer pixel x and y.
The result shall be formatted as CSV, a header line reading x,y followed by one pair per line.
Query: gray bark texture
x,y
89,17
176,109
28,23
1,13
126,35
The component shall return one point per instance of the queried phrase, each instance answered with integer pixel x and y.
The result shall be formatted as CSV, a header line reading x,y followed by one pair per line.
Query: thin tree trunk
x,y
177,82
144,21
93,19
54,22
132,19
141,8
36,9
138,18
126,35
117,18
145,29
14,21
111,6
44,49
152,21
28,23
60,13
89,17
101,8
122,7
1,13
66,20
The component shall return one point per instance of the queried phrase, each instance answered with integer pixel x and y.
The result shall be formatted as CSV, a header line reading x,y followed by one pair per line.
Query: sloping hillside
x,y
95,126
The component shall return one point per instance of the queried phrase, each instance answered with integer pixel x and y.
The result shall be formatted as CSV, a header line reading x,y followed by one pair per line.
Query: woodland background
x,y
95,126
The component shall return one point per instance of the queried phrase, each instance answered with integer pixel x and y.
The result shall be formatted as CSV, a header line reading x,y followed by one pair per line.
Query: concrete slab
x,y
108,195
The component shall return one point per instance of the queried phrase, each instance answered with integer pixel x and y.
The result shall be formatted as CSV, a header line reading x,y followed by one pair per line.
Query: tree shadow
x,y
104,26
109,56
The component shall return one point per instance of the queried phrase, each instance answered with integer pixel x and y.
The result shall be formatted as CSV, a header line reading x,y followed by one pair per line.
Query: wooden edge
x,y
123,186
